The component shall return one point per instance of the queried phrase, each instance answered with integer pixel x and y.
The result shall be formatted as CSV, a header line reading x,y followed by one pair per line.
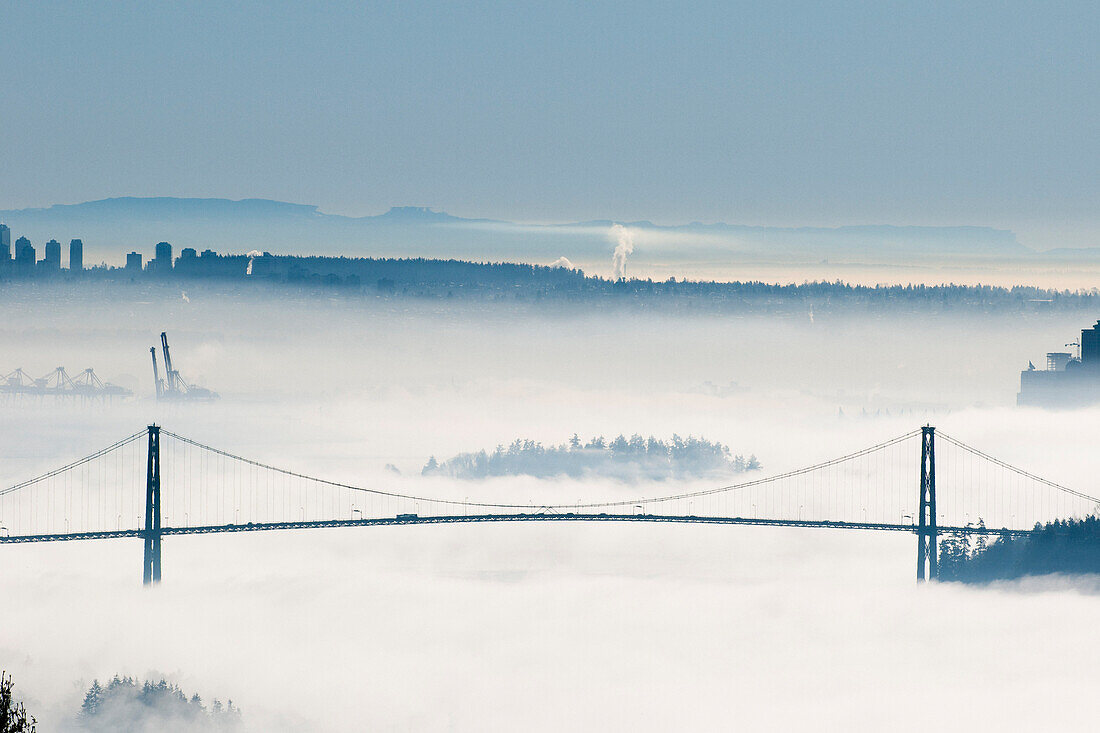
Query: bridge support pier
x,y
927,550
151,568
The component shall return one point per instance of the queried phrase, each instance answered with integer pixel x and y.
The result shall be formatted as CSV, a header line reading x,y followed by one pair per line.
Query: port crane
x,y
173,386
58,383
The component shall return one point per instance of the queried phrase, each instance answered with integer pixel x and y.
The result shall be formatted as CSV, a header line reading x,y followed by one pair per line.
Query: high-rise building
x,y
5,249
76,256
188,262
1090,348
133,262
164,257
52,259
24,255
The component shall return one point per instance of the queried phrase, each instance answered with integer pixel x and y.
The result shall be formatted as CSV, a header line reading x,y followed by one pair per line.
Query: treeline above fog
x,y
626,459
1071,546
125,704
451,278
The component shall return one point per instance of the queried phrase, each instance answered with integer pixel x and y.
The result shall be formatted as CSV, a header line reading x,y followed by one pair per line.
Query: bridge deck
x,y
534,517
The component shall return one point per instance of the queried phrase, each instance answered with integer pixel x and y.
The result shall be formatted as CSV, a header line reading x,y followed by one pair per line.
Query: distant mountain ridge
x,y
114,225
212,208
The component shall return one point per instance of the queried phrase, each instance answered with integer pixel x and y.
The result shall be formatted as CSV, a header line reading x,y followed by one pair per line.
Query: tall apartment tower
x,y
52,259
24,255
133,262
1090,347
163,258
5,244
76,256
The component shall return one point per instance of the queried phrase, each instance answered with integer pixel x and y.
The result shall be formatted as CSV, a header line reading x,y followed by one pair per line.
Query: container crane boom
x,y
156,377
173,386
171,374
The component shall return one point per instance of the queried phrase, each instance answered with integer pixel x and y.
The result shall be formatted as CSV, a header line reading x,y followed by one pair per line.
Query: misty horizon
x,y
861,254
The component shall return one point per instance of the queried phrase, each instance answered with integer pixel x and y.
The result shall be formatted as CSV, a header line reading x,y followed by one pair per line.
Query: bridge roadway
x,y
531,517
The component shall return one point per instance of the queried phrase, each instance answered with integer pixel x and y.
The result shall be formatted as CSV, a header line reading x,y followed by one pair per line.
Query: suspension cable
x,y
1020,471
74,464
705,492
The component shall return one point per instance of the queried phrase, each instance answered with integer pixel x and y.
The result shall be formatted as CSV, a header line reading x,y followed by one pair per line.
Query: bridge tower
x,y
151,573
927,549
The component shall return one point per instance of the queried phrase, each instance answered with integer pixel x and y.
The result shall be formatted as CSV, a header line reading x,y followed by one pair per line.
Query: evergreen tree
x,y
90,706
980,542
13,716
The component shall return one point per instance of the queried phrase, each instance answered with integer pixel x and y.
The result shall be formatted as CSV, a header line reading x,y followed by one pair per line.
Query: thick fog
x,y
540,626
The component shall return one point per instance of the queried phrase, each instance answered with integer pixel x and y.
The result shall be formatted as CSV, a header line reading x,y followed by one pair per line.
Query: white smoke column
x,y
251,256
624,245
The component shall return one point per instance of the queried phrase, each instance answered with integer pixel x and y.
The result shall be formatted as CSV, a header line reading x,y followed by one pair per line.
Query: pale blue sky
x,y
768,113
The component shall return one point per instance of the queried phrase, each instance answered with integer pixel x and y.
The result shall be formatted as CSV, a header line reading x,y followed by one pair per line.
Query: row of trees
x,y
633,458
1069,546
125,704
412,270
426,276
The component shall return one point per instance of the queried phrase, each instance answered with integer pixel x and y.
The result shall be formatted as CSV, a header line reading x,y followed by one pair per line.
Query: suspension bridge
x,y
155,483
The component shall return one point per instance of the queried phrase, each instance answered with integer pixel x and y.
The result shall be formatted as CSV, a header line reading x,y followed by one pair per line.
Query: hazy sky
x,y
779,112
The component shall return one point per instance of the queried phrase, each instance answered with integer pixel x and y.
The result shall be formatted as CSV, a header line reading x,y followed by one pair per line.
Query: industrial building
x,y
1069,380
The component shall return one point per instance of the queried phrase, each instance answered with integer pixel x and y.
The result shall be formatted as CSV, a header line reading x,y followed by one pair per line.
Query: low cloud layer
x,y
480,624
652,627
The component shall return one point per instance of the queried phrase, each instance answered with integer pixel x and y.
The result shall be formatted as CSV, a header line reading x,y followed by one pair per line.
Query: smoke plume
x,y
624,245
251,256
